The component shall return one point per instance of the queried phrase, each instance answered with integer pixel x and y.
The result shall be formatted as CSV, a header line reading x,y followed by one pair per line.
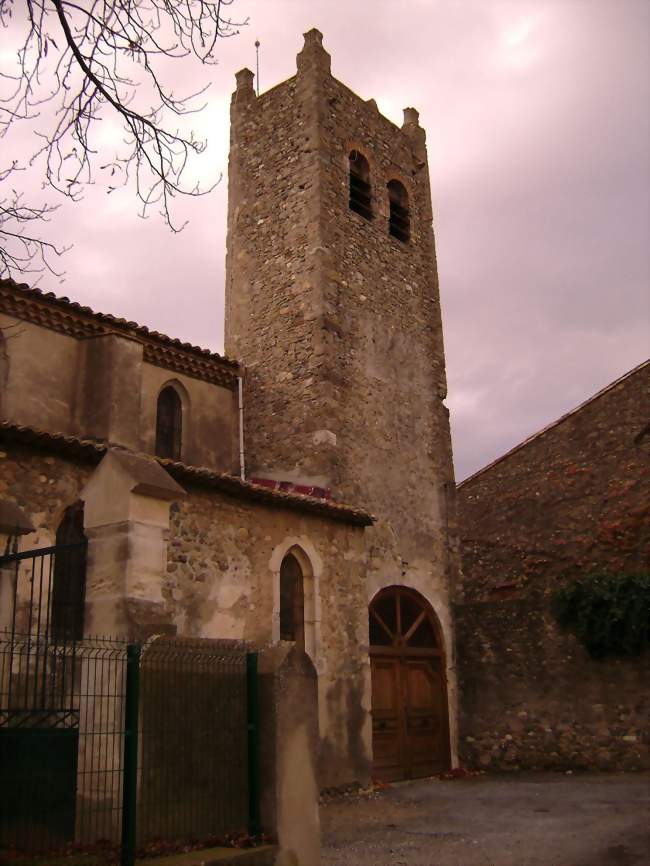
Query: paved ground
x,y
541,819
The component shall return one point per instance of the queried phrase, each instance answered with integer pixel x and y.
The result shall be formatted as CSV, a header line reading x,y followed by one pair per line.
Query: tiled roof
x,y
92,451
555,424
235,486
69,317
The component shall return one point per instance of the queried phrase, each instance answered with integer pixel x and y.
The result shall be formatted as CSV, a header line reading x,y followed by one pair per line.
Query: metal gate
x,y
42,609
113,748
43,591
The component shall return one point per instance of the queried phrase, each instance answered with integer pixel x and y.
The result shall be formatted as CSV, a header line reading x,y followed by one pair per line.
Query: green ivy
x,y
608,613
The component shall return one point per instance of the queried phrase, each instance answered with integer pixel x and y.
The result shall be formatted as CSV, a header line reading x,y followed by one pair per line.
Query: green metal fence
x,y
111,749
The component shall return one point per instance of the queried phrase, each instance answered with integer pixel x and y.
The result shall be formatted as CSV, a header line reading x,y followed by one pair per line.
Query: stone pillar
x,y
126,520
288,701
111,388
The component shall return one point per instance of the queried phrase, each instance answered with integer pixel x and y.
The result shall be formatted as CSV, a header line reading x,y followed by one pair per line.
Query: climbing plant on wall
x,y
608,613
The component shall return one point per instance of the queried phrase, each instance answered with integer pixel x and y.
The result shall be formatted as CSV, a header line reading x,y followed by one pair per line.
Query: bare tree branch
x,y
79,60
21,249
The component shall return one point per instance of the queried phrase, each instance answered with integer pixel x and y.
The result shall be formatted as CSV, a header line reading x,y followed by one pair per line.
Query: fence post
x,y
130,777
253,746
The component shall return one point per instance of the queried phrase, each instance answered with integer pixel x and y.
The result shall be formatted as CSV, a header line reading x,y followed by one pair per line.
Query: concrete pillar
x,y
288,700
13,522
126,520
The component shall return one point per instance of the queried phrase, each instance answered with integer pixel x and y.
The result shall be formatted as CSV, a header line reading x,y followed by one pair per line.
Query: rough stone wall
x,y
223,581
573,500
338,323
271,296
43,485
531,698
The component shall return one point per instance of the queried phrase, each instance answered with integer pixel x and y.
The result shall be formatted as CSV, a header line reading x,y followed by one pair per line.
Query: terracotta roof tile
x,y
93,451
62,314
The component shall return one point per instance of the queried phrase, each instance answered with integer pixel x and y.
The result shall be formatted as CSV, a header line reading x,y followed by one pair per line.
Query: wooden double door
x,y
410,725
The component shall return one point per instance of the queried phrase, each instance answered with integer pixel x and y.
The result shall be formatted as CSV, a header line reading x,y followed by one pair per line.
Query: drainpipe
x,y
242,471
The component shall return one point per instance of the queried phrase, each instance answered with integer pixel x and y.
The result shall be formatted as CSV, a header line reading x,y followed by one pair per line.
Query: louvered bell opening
x,y
360,197
399,225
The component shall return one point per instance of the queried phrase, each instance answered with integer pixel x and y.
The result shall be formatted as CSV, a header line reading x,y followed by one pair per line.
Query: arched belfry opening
x,y
169,424
410,719
399,220
360,188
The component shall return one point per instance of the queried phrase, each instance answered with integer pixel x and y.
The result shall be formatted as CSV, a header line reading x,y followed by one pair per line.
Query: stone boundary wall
x,y
533,698
571,501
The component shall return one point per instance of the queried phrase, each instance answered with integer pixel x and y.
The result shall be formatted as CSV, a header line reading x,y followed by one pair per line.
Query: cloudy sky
x,y
539,149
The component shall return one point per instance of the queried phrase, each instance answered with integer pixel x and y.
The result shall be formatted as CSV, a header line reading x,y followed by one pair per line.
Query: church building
x,y
298,489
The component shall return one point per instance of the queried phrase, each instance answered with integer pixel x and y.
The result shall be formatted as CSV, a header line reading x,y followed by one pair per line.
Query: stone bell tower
x,y
332,305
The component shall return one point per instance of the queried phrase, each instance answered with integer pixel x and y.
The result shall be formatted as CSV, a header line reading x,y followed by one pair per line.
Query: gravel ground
x,y
541,819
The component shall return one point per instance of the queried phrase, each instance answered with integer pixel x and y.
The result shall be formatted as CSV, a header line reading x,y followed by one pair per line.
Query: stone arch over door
x,y
410,716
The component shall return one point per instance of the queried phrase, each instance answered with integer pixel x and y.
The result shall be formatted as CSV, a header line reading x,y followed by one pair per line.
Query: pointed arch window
x,y
399,222
292,601
68,592
169,421
360,189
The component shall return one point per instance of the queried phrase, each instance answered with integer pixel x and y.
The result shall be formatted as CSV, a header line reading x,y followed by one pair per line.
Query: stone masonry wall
x,y
223,581
269,297
43,485
573,500
337,322
532,698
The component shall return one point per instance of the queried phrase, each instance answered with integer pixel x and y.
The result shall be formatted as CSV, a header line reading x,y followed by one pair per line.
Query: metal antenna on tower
x,y
257,65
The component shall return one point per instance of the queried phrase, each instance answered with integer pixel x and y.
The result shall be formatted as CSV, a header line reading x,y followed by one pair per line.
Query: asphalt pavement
x,y
517,819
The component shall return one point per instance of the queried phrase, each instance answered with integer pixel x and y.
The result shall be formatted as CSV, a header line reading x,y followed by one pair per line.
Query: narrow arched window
x,y
292,601
4,366
360,190
169,419
68,590
399,222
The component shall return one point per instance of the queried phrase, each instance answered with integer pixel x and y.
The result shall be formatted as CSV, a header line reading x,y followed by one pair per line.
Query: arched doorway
x,y
410,721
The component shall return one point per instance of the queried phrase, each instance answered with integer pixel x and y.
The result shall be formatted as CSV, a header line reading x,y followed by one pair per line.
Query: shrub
x,y
609,614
